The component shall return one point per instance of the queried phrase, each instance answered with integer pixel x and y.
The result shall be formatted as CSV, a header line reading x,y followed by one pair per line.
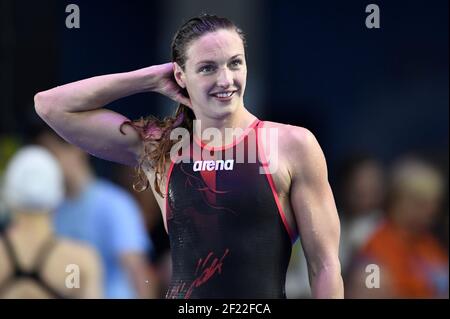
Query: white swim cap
x,y
33,180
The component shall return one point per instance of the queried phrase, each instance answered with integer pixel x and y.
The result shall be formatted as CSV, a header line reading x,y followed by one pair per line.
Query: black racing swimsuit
x,y
228,233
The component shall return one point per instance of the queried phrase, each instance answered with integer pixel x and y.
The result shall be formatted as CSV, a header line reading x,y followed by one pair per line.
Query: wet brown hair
x,y
155,133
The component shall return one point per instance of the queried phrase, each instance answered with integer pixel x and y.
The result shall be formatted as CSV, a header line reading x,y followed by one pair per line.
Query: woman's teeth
x,y
225,94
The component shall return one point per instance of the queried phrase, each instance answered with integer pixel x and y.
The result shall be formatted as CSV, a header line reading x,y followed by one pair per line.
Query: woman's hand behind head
x,y
165,84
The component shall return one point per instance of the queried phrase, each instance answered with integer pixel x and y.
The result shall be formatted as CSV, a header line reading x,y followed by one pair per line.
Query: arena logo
x,y
224,158
219,165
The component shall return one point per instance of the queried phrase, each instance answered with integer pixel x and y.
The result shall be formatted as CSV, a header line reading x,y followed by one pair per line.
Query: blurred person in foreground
x,y
106,216
33,260
412,262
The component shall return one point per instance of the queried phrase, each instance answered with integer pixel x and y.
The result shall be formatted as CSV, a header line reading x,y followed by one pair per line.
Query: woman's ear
x,y
178,73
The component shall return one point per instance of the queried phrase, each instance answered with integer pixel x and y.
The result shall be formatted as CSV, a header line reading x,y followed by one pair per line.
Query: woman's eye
x,y
206,69
236,63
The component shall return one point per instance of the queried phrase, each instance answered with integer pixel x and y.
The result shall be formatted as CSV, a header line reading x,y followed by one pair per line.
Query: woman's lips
x,y
224,96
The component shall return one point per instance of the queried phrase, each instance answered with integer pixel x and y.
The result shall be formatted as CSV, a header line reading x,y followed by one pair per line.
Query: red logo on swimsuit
x,y
206,273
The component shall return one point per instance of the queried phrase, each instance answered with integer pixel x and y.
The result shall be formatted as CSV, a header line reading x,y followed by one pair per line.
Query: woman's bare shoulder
x,y
290,135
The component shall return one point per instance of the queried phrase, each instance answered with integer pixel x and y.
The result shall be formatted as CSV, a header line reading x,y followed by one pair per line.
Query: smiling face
x,y
214,74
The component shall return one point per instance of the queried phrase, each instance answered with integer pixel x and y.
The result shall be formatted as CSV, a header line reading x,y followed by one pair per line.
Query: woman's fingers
x,y
168,86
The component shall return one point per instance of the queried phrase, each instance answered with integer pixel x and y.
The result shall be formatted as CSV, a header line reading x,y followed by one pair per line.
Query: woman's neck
x,y
241,119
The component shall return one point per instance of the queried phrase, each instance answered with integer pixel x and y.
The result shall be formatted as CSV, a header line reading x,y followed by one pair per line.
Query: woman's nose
x,y
225,78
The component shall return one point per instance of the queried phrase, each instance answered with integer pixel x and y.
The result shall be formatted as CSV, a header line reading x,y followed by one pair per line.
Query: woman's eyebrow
x,y
235,56
212,62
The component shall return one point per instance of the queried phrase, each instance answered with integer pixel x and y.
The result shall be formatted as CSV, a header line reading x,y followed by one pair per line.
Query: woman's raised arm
x,y
75,110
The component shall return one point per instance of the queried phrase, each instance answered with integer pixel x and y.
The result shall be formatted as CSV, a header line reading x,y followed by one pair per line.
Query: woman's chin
x,y
217,109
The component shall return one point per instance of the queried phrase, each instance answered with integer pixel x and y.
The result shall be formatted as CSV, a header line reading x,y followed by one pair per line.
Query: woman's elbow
x,y
42,105
328,263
